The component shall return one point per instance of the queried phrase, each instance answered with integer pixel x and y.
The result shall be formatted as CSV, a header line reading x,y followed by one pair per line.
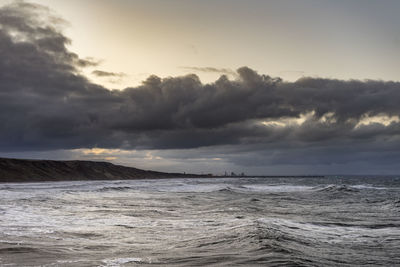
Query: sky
x,y
261,87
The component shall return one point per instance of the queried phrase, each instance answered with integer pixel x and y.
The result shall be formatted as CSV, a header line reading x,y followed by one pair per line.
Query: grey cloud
x,y
88,62
101,73
210,70
45,104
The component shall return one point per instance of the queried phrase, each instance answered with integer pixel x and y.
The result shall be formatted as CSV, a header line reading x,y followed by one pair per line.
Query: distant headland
x,y
27,170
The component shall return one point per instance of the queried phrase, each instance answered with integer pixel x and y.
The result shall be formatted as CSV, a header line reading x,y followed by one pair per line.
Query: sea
x,y
282,221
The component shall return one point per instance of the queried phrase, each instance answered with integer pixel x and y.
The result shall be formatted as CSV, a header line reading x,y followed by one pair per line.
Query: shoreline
x,y
164,178
30,171
14,170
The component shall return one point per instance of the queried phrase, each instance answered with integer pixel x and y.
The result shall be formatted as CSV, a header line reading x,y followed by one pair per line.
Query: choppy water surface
x,y
327,221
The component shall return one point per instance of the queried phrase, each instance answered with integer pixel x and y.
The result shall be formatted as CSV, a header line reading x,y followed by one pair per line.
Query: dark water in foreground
x,y
194,222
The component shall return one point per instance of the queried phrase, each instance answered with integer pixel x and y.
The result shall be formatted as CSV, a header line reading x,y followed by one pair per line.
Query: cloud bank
x,y
47,104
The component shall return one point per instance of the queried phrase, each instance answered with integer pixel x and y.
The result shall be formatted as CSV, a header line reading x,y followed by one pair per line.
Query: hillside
x,y
22,170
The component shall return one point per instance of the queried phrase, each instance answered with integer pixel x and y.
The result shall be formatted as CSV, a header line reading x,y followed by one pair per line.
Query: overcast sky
x,y
261,87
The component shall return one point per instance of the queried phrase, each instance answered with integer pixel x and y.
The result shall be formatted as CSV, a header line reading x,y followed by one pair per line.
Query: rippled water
x,y
332,221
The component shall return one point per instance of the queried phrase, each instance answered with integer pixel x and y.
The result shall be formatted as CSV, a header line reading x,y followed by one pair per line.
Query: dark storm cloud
x,y
45,103
101,73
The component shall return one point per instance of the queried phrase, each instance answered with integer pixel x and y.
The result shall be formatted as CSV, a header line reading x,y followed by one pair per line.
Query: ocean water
x,y
330,221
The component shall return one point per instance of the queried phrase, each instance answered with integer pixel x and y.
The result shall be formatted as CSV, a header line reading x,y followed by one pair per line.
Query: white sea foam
x,y
367,186
276,188
331,232
116,262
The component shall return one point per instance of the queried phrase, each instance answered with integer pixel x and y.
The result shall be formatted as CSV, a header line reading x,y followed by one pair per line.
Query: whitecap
x,y
276,188
120,261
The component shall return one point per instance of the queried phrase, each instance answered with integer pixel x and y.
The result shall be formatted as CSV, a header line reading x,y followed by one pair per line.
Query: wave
x,y
366,186
114,188
313,241
285,242
231,188
248,188
354,226
122,261
279,188
227,190
337,189
18,249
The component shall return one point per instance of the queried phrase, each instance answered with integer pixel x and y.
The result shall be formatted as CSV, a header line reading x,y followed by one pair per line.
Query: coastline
x,y
27,170
31,171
